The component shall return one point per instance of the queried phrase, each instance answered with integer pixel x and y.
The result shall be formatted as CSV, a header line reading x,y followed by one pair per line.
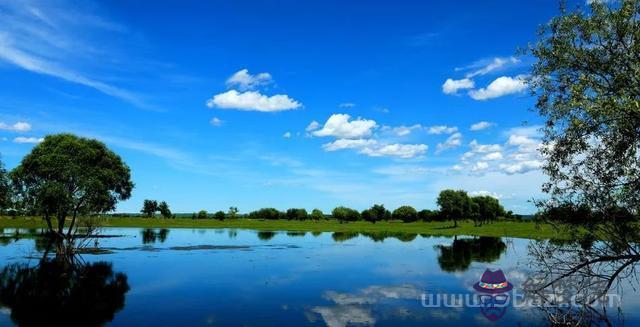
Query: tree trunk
x,y
73,222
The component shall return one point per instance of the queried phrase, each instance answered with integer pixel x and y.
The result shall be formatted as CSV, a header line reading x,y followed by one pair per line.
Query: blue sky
x,y
282,103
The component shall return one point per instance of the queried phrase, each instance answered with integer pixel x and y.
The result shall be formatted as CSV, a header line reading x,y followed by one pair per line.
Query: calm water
x,y
242,277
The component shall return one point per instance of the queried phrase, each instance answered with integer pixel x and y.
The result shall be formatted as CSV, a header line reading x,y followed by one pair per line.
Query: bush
x,y
405,213
376,213
202,214
220,215
428,215
345,214
296,214
316,214
267,213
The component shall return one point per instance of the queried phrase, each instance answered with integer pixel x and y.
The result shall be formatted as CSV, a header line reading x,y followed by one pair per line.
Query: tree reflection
x,y
150,235
343,236
62,292
266,235
381,236
458,256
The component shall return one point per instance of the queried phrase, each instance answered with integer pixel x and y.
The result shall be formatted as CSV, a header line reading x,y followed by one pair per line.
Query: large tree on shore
x,y
587,82
68,176
5,190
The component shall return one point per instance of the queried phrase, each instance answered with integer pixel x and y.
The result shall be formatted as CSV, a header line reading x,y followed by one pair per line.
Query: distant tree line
x,y
454,205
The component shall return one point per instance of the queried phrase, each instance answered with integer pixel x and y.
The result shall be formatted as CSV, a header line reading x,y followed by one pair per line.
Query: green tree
x,y
266,213
316,214
203,214
5,189
587,81
345,214
296,214
454,205
376,213
232,213
405,213
428,215
487,208
70,175
149,208
163,207
219,215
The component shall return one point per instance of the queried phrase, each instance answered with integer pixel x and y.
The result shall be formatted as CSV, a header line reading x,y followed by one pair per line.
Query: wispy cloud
x,y
17,127
45,39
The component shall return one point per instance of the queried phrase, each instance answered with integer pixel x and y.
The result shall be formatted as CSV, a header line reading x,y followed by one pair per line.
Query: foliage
x,y
163,207
149,208
219,215
267,213
458,256
428,215
202,214
345,214
70,175
376,213
316,214
5,189
485,208
587,81
405,213
232,213
296,214
454,205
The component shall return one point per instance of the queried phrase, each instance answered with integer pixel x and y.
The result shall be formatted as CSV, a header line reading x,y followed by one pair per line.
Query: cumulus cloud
x,y
17,127
521,166
480,166
34,140
454,141
314,125
287,135
341,144
493,156
215,121
341,126
481,125
501,86
405,130
452,86
252,101
487,193
405,151
441,129
243,80
484,148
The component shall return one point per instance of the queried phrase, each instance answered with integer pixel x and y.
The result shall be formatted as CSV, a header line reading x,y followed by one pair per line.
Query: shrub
x,y
296,214
406,214
345,214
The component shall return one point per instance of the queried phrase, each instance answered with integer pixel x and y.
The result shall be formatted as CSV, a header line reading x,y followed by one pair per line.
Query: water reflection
x,y
266,235
458,256
59,292
381,236
150,235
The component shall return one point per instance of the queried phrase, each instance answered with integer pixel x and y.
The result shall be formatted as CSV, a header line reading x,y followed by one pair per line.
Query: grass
x,y
517,229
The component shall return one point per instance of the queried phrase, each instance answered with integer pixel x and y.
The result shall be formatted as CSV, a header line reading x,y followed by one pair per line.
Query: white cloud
x,y
341,144
454,141
17,127
245,81
405,151
441,129
33,140
481,125
405,130
501,86
452,86
521,140
48,39
340,126
521,167
215,121
484,148
493,65
487,193
347,105
456,167
493,156
287,135
312,126
253,101
480,166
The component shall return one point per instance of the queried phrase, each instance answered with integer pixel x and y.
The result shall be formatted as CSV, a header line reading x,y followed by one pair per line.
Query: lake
x,y
169,277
